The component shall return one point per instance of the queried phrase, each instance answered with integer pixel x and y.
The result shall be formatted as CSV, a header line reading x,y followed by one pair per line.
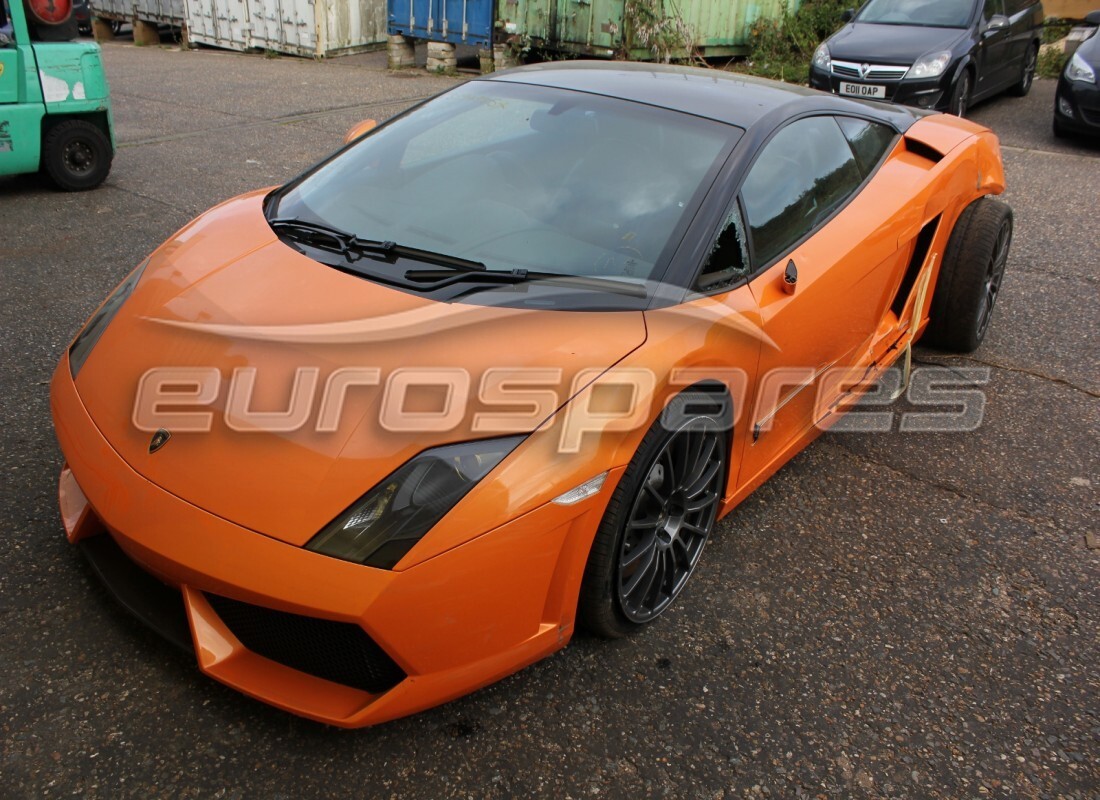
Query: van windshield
x,y
922,13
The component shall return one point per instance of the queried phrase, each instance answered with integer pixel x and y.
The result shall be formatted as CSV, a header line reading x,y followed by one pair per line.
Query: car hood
x,y
225,295
890,44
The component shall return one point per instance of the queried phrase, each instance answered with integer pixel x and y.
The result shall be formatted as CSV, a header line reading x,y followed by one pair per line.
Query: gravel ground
x,y
893,615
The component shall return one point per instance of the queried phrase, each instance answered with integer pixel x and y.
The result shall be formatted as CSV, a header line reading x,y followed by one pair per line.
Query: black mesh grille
x,y
336,651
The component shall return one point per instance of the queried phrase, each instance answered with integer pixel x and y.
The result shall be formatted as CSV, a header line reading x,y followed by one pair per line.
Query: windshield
x,y
522,177
924,13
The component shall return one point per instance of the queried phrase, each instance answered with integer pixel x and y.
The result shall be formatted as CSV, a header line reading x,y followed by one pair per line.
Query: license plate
x,y
863,90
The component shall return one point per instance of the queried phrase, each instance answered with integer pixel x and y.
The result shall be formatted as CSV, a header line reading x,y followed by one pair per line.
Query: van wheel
x,y
970,278
1023,86
76,155
658,519
960,97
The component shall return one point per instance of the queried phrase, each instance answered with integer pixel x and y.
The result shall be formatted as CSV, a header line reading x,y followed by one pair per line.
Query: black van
x,y
941,54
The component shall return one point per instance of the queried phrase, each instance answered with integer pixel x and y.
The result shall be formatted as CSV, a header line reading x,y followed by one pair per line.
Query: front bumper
x,y
1082,101
933,93
451,624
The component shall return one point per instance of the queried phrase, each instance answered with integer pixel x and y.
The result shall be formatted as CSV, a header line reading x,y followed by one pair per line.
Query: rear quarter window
x,y
870,141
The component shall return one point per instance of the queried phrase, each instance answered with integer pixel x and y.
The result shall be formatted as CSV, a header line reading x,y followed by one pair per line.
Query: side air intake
x,y
923,150
920,253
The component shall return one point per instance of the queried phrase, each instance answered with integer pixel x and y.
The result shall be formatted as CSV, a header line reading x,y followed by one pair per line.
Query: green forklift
x,y
55,113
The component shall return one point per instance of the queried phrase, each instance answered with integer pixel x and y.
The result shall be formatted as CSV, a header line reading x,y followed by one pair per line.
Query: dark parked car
x,y
942,54
1077,104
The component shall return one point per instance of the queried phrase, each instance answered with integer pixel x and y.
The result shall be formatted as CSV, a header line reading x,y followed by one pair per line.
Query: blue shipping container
x,y
456,21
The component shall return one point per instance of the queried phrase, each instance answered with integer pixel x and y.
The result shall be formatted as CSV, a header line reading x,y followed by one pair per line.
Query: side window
x,y
992,8
800,177
869,141
728,261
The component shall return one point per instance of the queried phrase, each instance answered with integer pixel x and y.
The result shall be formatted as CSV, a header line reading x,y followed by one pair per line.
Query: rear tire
x,y
1023,86
659,518
76,155
970,278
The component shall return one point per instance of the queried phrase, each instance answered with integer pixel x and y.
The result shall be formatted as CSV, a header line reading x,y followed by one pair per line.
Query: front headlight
x,y
388,520
822,59
82,345
1079,70
930,65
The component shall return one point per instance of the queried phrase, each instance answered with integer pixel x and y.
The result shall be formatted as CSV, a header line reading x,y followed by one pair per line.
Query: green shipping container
x,y
640,29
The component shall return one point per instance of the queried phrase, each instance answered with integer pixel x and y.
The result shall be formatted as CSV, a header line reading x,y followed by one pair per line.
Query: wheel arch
x,y
716,389
966,64
98,118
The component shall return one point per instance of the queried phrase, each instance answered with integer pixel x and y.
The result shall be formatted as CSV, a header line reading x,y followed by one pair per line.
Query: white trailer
x,y
316,28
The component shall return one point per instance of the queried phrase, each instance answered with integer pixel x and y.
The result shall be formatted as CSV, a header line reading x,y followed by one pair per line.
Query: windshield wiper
x,y
439,278
458,269
352,248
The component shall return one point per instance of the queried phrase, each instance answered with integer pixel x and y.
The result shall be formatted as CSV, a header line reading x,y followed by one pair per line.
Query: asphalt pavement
x,y
892,615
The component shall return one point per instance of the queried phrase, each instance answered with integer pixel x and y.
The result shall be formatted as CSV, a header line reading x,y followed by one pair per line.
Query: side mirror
x,y
1092,18
998,22
360,130
790,277
847,15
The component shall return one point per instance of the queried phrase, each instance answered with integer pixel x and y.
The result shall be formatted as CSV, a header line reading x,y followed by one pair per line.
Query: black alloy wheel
x,y
659,518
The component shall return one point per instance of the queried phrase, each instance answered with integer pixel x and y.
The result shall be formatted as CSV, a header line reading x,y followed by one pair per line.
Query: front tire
x,y
1027,78
76,155
960,97
970,278
658,520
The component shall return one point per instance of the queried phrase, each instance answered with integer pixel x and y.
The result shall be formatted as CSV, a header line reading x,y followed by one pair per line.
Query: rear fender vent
x,y
923,150
920,253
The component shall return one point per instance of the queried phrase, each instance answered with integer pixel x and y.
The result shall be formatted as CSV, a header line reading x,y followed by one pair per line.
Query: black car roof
x,y
729,97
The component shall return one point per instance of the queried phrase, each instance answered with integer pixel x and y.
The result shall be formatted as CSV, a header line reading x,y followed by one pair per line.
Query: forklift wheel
x,y
76,155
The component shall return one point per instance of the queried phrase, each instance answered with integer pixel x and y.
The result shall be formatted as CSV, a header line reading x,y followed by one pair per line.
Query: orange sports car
x,y
378,437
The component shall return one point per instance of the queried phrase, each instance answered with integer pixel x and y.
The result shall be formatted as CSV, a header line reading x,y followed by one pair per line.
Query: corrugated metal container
x,y
316,28
456,21
610,27
722,28
165,12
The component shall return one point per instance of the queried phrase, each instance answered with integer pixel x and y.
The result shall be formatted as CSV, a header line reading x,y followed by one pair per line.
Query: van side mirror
x,y
847,15
998,22
1092,18
360,130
